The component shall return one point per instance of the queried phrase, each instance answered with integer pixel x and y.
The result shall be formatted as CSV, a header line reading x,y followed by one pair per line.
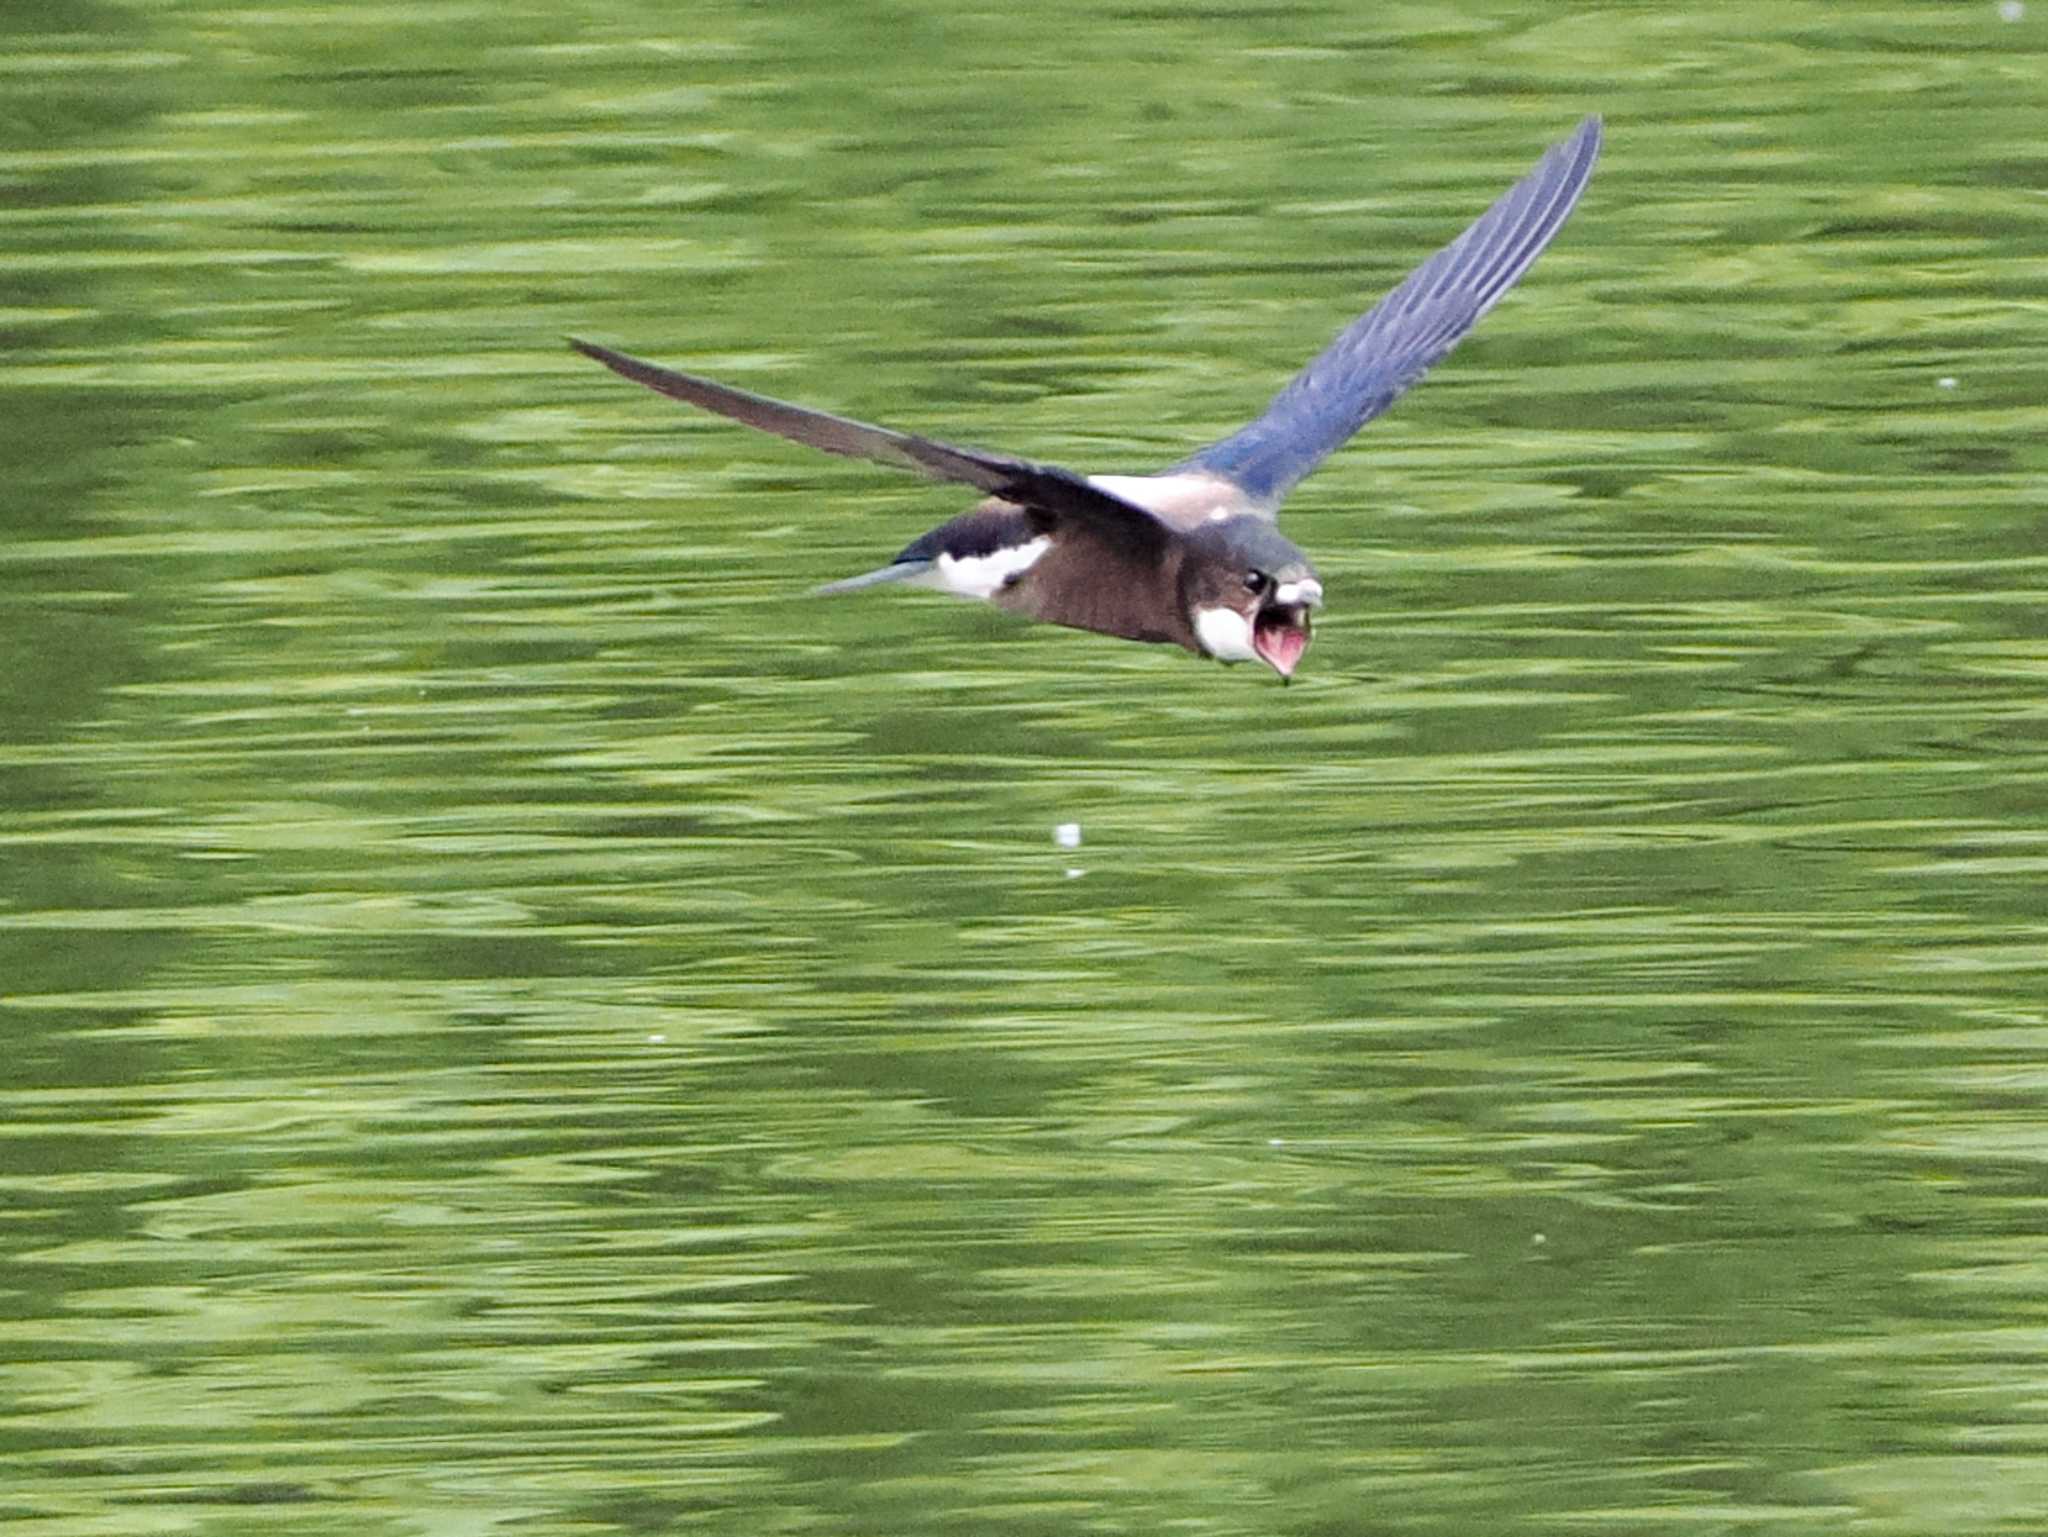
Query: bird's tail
x,y
895,571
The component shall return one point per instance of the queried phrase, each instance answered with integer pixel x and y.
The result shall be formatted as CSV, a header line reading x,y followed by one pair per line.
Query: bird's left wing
x,y
1045,488
1396,342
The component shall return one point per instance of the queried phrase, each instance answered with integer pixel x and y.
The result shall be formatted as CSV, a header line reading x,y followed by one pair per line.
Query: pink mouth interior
x,y
1280,636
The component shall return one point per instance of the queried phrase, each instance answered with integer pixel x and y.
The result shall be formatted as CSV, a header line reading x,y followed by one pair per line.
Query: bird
x,y
1192,555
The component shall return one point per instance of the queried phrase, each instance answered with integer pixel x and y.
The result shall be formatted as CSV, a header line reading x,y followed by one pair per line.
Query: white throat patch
x,y
1225,634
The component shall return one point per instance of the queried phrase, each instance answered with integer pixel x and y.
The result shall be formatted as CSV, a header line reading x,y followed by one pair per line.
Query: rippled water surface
x,y
519,1020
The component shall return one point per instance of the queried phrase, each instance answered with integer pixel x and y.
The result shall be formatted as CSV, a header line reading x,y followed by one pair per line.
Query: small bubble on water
x,y
1067,835
2011,10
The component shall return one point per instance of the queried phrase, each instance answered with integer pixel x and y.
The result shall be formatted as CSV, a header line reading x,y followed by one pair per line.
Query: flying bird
x,y
1191,556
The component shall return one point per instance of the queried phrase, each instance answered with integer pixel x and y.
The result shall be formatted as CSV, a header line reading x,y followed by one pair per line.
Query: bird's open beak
x,y
1280,629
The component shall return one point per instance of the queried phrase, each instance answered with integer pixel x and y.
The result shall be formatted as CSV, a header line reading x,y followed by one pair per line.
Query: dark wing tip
x,y
621,363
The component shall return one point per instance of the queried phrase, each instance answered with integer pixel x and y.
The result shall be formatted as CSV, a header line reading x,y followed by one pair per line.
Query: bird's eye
x,y
1257,581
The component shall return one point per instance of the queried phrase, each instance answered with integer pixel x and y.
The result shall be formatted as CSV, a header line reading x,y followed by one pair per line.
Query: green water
x,y
517,1020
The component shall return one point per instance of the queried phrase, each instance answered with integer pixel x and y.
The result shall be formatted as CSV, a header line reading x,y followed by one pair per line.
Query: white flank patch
x,y
1225,634
983,576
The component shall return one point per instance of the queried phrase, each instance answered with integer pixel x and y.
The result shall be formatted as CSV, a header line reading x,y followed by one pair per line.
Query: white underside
x,y
983,576
1225,634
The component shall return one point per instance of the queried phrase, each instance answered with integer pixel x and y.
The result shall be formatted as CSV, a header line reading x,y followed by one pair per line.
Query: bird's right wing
x,y
1043,488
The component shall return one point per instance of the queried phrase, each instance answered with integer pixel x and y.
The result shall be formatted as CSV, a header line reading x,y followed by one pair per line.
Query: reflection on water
x,y
523,1020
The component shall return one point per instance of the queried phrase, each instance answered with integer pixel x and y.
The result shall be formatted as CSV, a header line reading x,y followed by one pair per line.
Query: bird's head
x,y
1247,591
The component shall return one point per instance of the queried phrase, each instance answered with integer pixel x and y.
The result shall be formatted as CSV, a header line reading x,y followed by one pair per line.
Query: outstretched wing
x,y
1044,488
1387,349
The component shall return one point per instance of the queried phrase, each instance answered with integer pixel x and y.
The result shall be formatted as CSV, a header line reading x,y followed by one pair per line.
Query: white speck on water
x,y
1276,1142
2011,10
1539,1239
1075,872
1945,382
1067,835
